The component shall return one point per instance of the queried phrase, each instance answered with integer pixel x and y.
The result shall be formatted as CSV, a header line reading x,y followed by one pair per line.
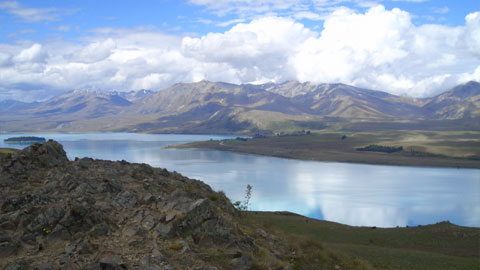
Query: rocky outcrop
x,y
96,214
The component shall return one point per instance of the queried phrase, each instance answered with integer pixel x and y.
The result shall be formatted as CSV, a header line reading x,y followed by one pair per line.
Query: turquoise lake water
x,y
354,194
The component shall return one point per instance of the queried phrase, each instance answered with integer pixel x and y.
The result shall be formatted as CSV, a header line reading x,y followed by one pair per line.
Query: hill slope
x,y
462,101
94,214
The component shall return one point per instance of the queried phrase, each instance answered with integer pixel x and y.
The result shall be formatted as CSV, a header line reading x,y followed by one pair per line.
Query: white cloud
x,y
95,52
5,59
34,54
64,28
230,22
33,15
441,10
378,49
472,33
246,8
307,15
253,51
9,5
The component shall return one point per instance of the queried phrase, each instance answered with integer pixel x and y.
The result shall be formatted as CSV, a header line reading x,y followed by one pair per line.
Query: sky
x,y
416,48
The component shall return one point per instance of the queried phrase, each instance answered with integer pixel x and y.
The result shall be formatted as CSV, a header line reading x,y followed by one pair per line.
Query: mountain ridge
x,y
204,106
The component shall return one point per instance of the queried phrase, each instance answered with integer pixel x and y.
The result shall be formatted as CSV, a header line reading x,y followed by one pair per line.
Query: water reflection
x,y
366,195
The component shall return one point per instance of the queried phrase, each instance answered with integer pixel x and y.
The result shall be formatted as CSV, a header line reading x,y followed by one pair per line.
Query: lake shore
x,y
332,148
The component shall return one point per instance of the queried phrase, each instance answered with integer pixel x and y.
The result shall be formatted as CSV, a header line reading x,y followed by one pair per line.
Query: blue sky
x,y
38,20
416,47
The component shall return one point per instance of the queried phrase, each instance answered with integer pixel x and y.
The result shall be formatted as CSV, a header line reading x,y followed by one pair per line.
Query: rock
x,y
49,154
168,267
170,216
158,256
126,199
15,266
69,248
113,262
261,233
163,230
148,198
99,230
45,266
206,267
134,229
53,214
148,222
242,263
85,247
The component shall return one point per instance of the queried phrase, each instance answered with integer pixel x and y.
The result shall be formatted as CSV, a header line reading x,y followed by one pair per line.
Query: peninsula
x,y
403,148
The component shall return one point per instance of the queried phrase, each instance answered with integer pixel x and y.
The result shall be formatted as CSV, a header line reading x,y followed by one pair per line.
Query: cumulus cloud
x,y
254,52
95,52
378,49
33,54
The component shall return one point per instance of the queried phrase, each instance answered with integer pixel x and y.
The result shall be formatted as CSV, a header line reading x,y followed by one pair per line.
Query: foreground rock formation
x,y
95,214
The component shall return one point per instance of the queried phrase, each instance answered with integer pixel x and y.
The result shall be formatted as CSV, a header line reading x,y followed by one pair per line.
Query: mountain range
x,y
217,107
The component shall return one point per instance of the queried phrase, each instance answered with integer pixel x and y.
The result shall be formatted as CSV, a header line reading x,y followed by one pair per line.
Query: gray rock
x,y
69,248
134,229
148,198
158,256
45,266
49,154
148,222
15,266
206,267
163,230
126,199
242,263
85,247
53,214
262,233
113,262
99,230
170,216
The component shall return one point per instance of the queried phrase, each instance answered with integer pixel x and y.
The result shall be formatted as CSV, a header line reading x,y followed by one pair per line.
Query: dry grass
x,y
421,148
5,151
327,245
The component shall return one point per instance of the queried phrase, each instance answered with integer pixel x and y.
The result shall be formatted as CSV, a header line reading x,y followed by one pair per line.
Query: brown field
x,y
420,148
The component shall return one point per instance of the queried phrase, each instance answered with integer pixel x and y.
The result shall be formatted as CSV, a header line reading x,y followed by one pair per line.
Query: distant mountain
x,y
183,97
14,105
217,107
133,96
81,103
340,100
462,101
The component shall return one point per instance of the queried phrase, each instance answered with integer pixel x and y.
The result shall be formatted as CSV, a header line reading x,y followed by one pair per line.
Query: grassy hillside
x,y
439,246
4,151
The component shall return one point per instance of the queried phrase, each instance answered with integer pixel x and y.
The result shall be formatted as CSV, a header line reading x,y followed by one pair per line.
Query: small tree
x,y
248,195
243,206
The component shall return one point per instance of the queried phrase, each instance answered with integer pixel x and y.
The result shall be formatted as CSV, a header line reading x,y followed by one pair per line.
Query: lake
x,y
354,194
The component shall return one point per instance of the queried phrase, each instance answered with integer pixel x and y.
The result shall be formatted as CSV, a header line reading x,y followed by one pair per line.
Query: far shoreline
x,y
267,148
